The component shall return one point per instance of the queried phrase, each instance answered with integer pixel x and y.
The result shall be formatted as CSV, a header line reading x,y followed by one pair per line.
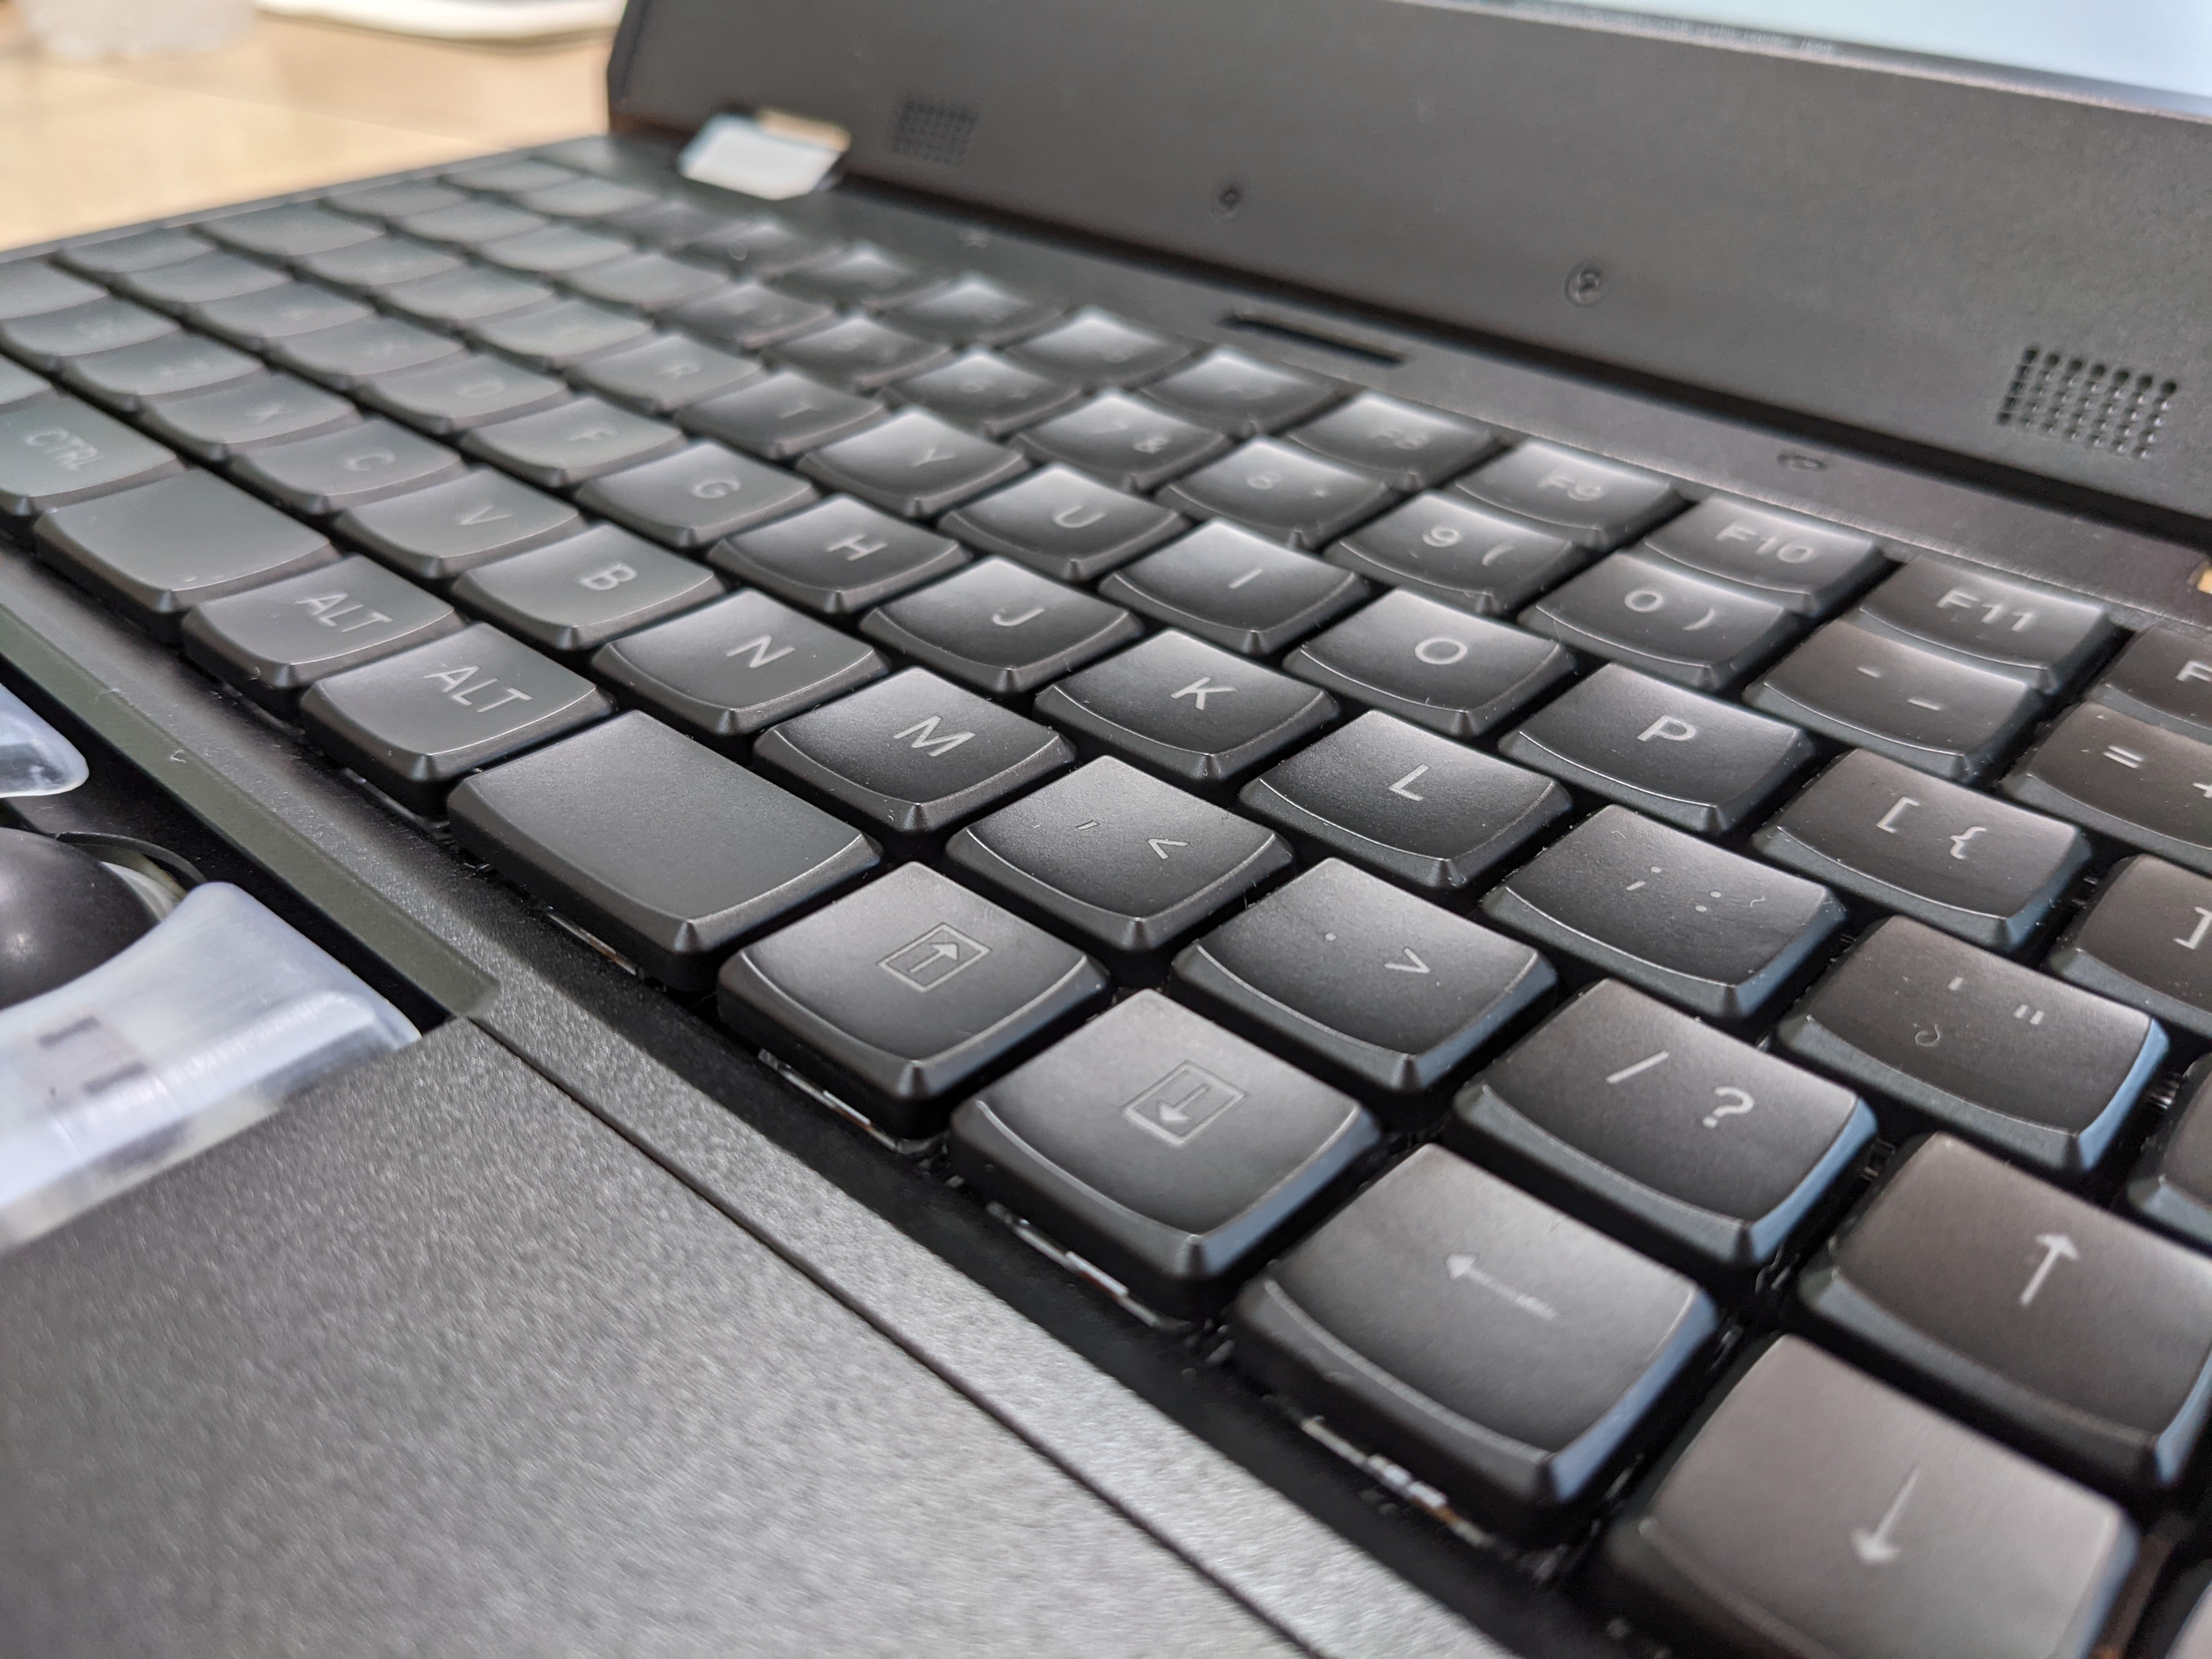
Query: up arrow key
x,y
1160,847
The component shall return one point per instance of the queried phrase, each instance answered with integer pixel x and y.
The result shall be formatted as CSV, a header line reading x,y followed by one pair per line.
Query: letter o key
x,y
1440,652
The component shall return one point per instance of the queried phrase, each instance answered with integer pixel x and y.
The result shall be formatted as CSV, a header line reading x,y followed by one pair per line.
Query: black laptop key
x,y
2165,676
347,468
157,550
1801,564
780,414
577,594
416,723
290,232
1716,1149
19,387
1596,502
373,267
28,287
748,316
1982,1046
2181,1626
564,445
1497,1347
839,556
1281,490
1128,860
970,310
913,985
1099,348
352,353
1685,919
1163,1149
273,643
1000,628
472,224
57,451
730,667
1465,555
758,245
462,392
2172,1184
1066,524
396,200
249,415
2146,940
469,294
584,198
174,365
914,753
1692,760
993,394
51,338
524,174
211,277
1406,802
649,283
556,249
434,534
1928,710
696,497
1241,395
1425,662
1124,441
1187,707
1977,866
113,256
1227,584
665,372
1392,988
2145,785
913,464
1408,445
717,852
567,331
1817,1512
2031,632
2005,1292
259,320
857,352
1653,615
861,275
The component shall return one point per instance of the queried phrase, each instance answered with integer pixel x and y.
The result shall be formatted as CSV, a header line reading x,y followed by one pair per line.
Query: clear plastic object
x,y
35,758
208,1023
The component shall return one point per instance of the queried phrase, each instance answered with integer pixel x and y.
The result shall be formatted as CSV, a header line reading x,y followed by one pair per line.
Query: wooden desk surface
x,y
88,145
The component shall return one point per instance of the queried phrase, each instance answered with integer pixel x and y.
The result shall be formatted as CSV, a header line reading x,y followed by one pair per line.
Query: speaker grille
x,y
2079,400
929,131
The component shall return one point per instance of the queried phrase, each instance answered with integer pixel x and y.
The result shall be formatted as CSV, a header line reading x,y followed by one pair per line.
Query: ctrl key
x,y
1816,1514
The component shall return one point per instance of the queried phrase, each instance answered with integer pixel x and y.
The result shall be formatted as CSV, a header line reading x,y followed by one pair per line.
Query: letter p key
x,y
1667,729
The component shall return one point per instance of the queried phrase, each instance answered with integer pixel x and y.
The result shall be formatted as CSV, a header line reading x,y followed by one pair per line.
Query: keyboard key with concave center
x,y
993,394
1281,490
159,549
111,256
730,667
665,372
583,590
971,310
513,175
2032,633
50,339
759,244
2164,677
1129,860
659,846
859,353
1815,1511
1392,988
415,723
1099,348
174,365
696,497
1241,395
1427,663
861,275
555,251
1410,446
374,267
1123,441
211,277
1227,584
2010,1057
28,287
575,441
913,464
911,987
1595,502
1985,870
236,419
258,321
347,468
463,393
1187,707
395,201
274,641
1801,564
1698,925
914,753
1406,802
567,331
780,415
2172,1182
434,534
2143,941
838,556
584,198
1164,1150
2141,784
1466,556
1916,706
1706,1150
19,387
1694,761
467,296
747,316
1653,615
472,224
57,451
1498,1348
1066,524
290,232
1001,627
2004,1293
352,354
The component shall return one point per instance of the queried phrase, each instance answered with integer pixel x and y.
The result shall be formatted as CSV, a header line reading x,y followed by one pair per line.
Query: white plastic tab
x,y
770,155
35,758
208,1023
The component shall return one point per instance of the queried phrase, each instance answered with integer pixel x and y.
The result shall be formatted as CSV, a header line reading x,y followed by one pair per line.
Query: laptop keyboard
x,y
1463,919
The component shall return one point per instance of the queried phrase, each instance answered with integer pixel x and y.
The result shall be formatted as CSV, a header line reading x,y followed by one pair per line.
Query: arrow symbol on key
x,y
1160,847
942,953
1412,965
1877,1548
2057,1247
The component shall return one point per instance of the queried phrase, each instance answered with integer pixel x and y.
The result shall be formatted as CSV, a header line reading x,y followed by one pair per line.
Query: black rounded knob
x,y
62,913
